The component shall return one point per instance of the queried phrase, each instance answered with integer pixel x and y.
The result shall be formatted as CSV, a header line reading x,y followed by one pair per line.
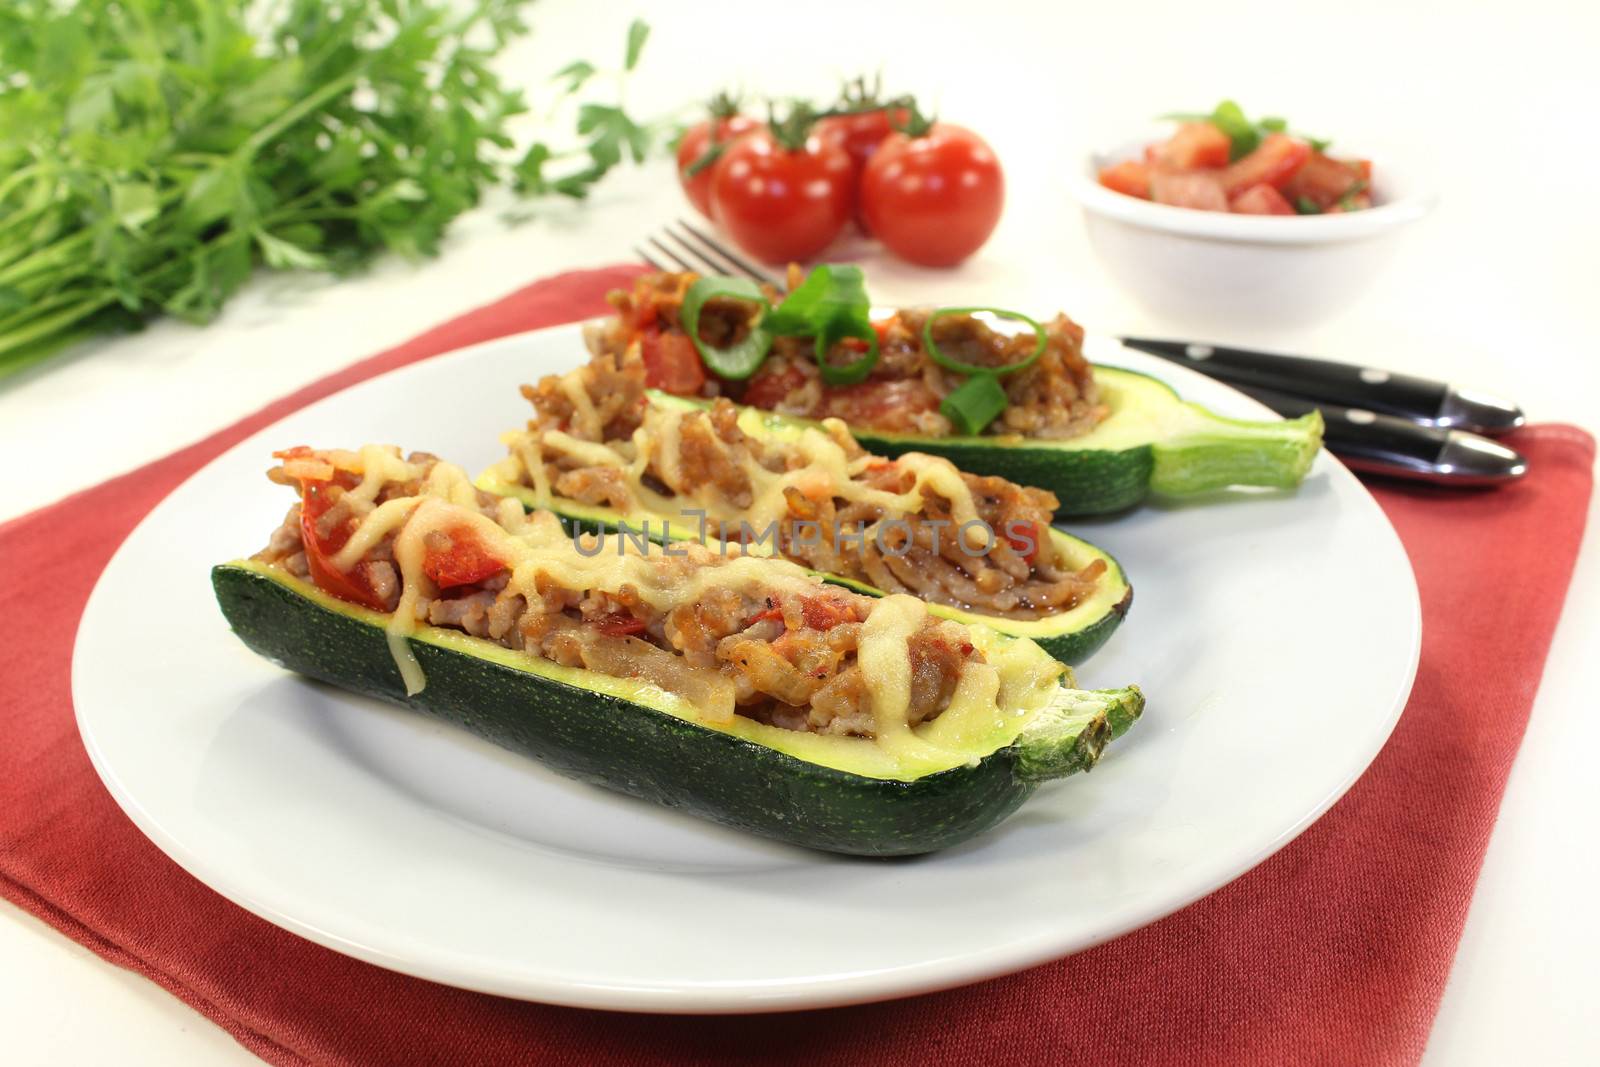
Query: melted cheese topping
x,y
991,700
817,463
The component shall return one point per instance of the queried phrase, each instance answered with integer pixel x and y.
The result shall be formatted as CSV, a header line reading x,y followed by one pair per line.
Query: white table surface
x,y
1495,289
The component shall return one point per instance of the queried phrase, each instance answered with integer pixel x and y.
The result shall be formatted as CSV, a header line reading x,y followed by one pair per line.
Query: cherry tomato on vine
x,y
696,140
859,134
933,196
782,201
862,132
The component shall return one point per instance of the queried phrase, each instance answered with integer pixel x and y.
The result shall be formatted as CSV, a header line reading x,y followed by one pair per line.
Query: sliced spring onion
x,y
741,360
856,370
974,404
948,363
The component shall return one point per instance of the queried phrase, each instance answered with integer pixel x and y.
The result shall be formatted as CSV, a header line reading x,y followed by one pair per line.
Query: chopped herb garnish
x,y
974,404
1244,136
737,361
960,367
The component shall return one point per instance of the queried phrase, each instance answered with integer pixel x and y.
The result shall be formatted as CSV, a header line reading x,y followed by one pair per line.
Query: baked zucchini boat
x,y
736,687
991,390
602,455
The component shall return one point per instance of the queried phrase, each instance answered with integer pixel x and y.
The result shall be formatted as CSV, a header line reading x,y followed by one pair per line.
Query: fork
x,y
684,246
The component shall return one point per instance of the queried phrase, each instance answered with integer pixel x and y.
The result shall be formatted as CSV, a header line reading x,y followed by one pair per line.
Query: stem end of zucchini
x,y
1215,452
1069,735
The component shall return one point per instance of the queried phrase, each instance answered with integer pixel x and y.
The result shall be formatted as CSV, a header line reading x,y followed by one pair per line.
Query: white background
x,y
1497,101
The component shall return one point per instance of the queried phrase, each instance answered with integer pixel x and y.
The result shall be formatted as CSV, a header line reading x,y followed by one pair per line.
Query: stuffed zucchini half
x,y
991,390
604,456
738,688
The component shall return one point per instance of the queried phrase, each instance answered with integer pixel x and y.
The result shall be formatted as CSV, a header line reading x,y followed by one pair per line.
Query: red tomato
x,y
697,186
768,387
465,561
782,204
1130,178
1260,200
671,361
315,500
620,625
1323,180
860,134
1026,538
933,199
1198,189
1274,162
1196,144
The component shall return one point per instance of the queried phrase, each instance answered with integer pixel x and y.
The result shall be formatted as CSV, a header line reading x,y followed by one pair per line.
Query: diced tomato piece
x,y
1260,200
671,362
1130,178
1026,538
1273,162
315,500
773,612
769,387
824,614
1323,180
620,624
1196,144
1199,189
465,561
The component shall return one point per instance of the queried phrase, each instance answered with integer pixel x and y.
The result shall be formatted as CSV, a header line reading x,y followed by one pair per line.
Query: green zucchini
x,y
637,739
1152,442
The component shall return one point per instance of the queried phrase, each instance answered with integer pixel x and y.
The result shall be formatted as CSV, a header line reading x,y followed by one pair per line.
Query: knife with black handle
x,y
1420,400
1385,444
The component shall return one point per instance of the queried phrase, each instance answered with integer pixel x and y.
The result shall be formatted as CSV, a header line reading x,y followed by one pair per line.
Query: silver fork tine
x,y
648,258
739,263
721,260
682,263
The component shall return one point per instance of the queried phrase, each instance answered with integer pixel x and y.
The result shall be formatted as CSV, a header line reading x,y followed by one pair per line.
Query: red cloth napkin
x,y
1334,951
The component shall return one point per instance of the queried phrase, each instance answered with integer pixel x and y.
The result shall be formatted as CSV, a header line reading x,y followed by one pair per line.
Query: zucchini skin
x,y
1070,647
628,747
1086,481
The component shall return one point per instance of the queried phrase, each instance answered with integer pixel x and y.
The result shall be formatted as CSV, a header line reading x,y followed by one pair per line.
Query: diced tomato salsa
x,y
1272,172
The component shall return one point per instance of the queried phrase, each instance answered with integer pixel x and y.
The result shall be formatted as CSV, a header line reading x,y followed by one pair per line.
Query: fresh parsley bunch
x,y
153,152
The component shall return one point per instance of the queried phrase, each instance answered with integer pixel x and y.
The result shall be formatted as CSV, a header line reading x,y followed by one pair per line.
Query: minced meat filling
x,y
1007,578
786,660
1055,398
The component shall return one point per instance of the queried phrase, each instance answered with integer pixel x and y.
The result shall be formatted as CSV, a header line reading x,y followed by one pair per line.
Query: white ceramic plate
x,y
1275,634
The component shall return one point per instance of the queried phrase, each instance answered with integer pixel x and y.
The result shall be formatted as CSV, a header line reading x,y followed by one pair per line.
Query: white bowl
x,y
1209,271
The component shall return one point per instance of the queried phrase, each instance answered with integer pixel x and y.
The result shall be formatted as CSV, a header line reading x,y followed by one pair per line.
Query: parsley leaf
x,y
156,152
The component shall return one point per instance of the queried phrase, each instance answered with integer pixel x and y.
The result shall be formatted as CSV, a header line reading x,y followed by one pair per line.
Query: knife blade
x,y
1385,444
1420,400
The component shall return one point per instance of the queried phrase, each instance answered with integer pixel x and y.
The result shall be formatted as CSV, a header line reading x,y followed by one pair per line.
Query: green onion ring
x,y
974,404
853,372
972,368
745,358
